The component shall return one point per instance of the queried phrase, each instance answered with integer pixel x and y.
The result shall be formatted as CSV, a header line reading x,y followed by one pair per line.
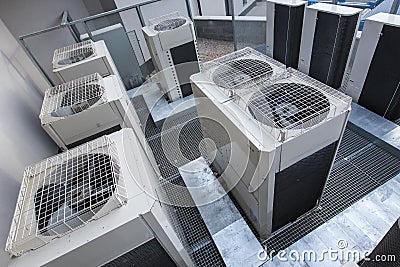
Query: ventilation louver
x,y
65,192
73,53
74,97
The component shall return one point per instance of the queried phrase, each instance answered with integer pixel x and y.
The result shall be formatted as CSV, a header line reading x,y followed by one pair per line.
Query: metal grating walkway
x,y
363,163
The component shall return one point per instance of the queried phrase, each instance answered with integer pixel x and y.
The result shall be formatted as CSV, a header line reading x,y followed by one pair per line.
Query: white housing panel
x,y
84,107
81,59
163,35
274,120
105,207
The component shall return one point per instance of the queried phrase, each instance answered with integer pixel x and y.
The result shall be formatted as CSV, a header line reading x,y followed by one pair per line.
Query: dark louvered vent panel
x,y
383,78
333,38
288,23
298,187
149,254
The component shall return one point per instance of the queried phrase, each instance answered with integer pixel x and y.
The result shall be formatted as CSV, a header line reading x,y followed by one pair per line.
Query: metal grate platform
x,y
357,171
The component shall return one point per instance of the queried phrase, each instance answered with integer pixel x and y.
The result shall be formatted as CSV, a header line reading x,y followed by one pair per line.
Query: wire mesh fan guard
x,y
74,97
235,72
289,105
169,24
73,53
65,192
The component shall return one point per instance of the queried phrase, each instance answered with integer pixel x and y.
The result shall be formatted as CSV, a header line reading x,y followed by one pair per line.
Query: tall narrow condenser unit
x,y
284,26
327,39
283,130
86,108
171,40
375,78
81,59
93,205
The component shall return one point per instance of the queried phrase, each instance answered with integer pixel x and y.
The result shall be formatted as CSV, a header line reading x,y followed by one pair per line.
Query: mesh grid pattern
x,y
169,24
74,96
65,192
351,179
73,53
284,99
361,166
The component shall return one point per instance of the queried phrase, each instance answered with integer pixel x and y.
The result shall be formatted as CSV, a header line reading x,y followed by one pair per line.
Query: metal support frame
x,y
67,21
233,25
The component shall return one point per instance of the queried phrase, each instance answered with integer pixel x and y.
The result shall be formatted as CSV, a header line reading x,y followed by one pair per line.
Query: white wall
x,y
213,7
217,7
22,139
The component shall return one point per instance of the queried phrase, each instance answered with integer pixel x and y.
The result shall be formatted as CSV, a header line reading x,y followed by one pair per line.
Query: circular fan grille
x,y
238,71
77,56
79,187
289,105
79,99
169,24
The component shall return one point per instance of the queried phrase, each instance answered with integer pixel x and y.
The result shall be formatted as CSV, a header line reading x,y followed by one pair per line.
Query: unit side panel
x,y
381,92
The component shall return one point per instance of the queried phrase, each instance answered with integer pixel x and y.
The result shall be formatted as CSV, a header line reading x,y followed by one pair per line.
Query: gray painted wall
x,y
26,16
22,139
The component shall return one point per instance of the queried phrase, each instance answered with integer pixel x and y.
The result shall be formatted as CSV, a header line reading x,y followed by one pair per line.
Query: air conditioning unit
x,y
327,39
173,47
81,59
284,26
86,108
91,205
283,130
375,76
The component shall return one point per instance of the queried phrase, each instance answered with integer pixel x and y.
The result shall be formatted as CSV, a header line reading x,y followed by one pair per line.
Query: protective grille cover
x,y
73,97
73,53
283,99
65,192
167,22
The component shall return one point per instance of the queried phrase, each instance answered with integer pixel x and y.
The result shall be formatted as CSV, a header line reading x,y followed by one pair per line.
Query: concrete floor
x,y
210,49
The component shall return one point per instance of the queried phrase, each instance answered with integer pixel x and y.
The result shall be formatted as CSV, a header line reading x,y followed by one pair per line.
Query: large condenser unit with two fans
x,y
92,205
82,59
327,39
375,77
284,26
281,133
86,108
173,47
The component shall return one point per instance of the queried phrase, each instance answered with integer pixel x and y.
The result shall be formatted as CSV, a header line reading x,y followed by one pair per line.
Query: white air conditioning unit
x,y
327,39
375,76
173,47
91,205
86,108
283,130
81,59
284,26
